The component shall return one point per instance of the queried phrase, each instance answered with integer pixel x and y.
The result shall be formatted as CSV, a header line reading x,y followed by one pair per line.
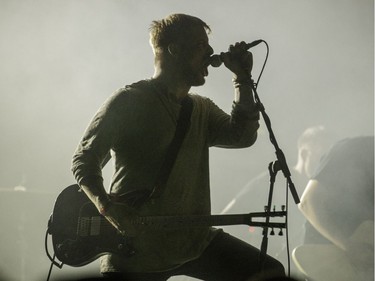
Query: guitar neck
x,y
93,225
209,220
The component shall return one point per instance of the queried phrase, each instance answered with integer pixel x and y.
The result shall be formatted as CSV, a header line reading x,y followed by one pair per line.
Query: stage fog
x,y
61,59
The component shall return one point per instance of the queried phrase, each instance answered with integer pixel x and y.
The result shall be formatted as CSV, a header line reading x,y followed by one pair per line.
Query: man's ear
x,y
173,49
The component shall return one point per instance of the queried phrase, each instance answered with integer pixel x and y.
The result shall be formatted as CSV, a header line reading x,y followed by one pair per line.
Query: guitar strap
x,y
183,123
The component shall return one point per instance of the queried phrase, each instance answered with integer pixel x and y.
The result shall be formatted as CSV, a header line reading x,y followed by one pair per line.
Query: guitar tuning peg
x,y
272,232
274,208
281,232
265,208
282,207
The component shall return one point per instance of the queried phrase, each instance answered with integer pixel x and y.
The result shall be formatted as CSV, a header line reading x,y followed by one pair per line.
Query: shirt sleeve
x,y
239,129
93,151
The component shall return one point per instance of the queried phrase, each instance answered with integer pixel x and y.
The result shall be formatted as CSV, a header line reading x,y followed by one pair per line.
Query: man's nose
x,y
210,50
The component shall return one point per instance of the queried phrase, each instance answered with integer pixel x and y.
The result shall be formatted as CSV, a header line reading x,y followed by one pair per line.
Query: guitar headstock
x,y
269,219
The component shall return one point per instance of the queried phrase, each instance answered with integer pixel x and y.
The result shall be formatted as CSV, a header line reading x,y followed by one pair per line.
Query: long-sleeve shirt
x,y
136,125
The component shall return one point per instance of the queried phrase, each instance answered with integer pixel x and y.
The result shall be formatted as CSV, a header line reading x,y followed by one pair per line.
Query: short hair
x,y
173,28
313,135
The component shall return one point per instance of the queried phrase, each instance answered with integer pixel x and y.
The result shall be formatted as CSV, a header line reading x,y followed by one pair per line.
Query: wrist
x,y
104,206
95,191
243,92
242,77
242,81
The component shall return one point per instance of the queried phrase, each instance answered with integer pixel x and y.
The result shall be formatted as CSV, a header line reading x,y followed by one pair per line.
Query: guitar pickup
x,y
89,226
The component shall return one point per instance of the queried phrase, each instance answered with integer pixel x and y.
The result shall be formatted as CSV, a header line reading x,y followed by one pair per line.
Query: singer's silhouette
x,y
139,126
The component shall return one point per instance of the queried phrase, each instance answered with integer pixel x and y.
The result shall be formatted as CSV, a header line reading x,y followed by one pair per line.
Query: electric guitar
x,y
80,234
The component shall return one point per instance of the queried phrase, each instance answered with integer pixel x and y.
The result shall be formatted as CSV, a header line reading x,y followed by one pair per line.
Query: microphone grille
x,y
215,61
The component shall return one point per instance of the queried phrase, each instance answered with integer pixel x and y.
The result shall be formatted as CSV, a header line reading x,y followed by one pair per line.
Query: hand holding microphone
x,y
237,59
217,60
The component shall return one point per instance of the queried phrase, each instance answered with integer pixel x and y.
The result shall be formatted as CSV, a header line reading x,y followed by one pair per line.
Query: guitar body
x,y
79,233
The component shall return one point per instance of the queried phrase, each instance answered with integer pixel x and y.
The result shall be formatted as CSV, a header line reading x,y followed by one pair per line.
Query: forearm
x,y
95,191
245,114
243,124
244,108
118,214
243,92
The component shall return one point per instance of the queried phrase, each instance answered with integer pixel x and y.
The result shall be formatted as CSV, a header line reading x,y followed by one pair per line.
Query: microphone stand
x,y
279,164
279,154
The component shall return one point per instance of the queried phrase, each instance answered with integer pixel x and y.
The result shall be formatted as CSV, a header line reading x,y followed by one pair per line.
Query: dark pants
x,y
225,259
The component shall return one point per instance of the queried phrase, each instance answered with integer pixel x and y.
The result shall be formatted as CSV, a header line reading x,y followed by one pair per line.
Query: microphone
x,y
216,60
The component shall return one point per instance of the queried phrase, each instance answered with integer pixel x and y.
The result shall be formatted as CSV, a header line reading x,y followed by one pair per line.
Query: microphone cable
x,y
264,63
